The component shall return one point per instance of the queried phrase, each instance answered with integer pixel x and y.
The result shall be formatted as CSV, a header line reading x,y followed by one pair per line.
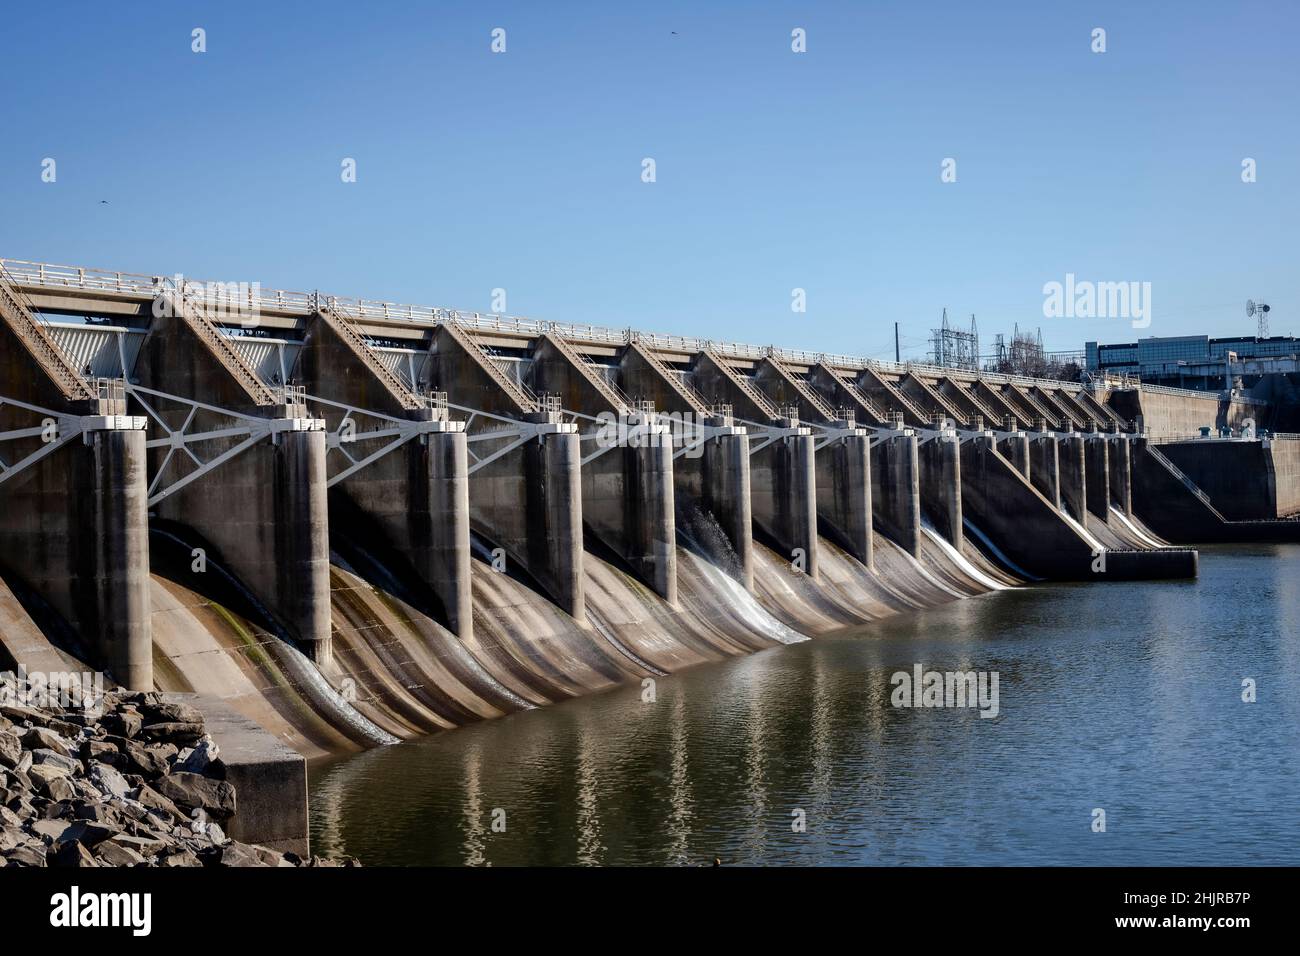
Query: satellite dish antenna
x,y
1260,309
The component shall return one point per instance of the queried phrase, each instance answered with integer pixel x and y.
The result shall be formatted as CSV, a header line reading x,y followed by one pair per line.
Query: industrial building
x,y
1196,361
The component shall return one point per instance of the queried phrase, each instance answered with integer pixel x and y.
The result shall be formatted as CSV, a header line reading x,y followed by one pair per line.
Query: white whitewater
x,y
961,560
753,613
997,552
1144,538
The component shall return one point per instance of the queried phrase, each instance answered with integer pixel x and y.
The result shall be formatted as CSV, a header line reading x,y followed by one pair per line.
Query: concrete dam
x,y
355,522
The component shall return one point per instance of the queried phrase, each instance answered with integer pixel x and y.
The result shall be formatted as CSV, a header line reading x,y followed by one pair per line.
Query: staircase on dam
x,y
1177,472
1077,411
203,328
1048,400
992,417
522,399
686,395
938,402
28,330
345,326
992,398
763,407
611,396
808,398
894,398
1101,411
842,384
1026,406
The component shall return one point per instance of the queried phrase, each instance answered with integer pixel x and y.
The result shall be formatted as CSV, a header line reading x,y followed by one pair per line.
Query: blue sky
x,y
775,170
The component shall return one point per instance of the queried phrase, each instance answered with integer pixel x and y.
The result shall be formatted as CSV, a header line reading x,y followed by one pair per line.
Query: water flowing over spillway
x,y
397,674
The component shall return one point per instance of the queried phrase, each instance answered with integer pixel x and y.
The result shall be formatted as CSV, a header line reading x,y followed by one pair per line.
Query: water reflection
x,y
1124,696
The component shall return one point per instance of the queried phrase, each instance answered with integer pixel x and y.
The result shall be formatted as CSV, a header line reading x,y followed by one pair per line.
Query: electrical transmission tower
x,y
954,348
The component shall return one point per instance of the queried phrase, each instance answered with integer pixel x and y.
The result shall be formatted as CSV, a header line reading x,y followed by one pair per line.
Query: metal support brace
x,y
707,432
771,433
251,428
830,436
885,434
56,430
515,433
949,432
629,435
400,430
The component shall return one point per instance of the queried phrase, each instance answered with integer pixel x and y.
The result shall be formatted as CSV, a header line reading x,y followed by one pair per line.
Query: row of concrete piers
x,y
526,455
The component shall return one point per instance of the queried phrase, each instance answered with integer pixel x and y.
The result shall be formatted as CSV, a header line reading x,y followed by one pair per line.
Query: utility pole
x,y
896,358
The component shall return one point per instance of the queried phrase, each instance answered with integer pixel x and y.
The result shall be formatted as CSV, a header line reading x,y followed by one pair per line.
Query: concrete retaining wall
x,y
1245,479
1179,415
270,779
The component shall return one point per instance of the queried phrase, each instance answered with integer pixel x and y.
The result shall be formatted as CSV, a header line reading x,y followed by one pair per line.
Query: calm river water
x,y
1123,697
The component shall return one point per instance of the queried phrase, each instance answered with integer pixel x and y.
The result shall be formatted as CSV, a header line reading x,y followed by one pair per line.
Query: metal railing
x,y
897,395
1196,393
1179,474
589,370
684,391
289,394
20,317
516,390
210,333
741,382
858,395
278,300
804,390
346,326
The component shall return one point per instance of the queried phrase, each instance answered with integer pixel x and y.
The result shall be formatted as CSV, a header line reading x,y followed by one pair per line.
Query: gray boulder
x,y
108,780
191,791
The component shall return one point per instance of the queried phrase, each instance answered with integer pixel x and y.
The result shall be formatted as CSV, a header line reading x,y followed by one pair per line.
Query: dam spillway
x,y
355,521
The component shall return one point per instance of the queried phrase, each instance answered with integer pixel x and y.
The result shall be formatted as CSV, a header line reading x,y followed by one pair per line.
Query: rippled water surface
x,y
1125,697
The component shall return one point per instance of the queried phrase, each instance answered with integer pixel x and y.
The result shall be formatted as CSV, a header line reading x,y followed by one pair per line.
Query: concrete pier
x,y
896,490
1015,448
1121,474
439,524
939,459
627,470
711,486
1045,466
1073,472
262,514
627,502
1097,475
112,466
550,525
408,509
844,493
783,473
783,485
525,486
74,535
726,494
